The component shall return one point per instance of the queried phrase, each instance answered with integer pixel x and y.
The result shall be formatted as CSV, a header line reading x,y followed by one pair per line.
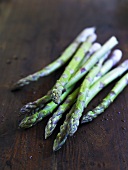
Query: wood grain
x,y
32,34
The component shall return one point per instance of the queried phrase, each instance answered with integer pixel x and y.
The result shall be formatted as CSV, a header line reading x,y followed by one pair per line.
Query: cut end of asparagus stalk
x,y
95,47
116,56
85,33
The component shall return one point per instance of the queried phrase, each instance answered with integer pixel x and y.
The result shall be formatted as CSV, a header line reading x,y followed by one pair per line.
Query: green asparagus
x,y
71,68
118,88
94,90
32,107
31,120
103,81
84,90
65,106
63,134
66,55
93,60
39,104
52,123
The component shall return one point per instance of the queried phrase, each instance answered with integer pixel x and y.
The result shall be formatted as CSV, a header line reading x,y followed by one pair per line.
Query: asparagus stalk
x,y
65,56
32,107
52,123
93,60
94,90
84,88
104,81
63,134
118,88
31,120
71,68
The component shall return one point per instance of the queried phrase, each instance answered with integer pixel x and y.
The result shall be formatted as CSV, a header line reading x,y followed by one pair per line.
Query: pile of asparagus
x,y
89,70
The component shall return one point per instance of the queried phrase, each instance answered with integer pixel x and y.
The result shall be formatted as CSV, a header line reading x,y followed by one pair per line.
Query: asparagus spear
x,y
32,107
84,89
104,81
63,134
118,88
52,123
94,90
65,56
71,68
31,120
39,103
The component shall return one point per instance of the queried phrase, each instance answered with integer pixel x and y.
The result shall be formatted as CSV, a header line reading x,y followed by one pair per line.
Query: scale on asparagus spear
x,y
90,70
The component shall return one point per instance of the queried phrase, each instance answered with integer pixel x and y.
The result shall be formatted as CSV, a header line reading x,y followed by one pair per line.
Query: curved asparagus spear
x,y
31,120
71,68
94,90
93,60
118,88
105,80
52,123
63,134
65,56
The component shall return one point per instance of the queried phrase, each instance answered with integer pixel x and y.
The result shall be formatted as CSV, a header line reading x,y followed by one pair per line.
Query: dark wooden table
x,y
32,34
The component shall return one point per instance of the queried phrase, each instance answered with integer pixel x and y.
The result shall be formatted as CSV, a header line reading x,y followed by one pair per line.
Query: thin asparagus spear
x,y
63,134
32,107
118,88
71,68
52,123
104,81
65,56
31,120
94,90
93,60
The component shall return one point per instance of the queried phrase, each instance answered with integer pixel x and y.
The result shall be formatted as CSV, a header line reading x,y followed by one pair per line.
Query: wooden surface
x,y
32,34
